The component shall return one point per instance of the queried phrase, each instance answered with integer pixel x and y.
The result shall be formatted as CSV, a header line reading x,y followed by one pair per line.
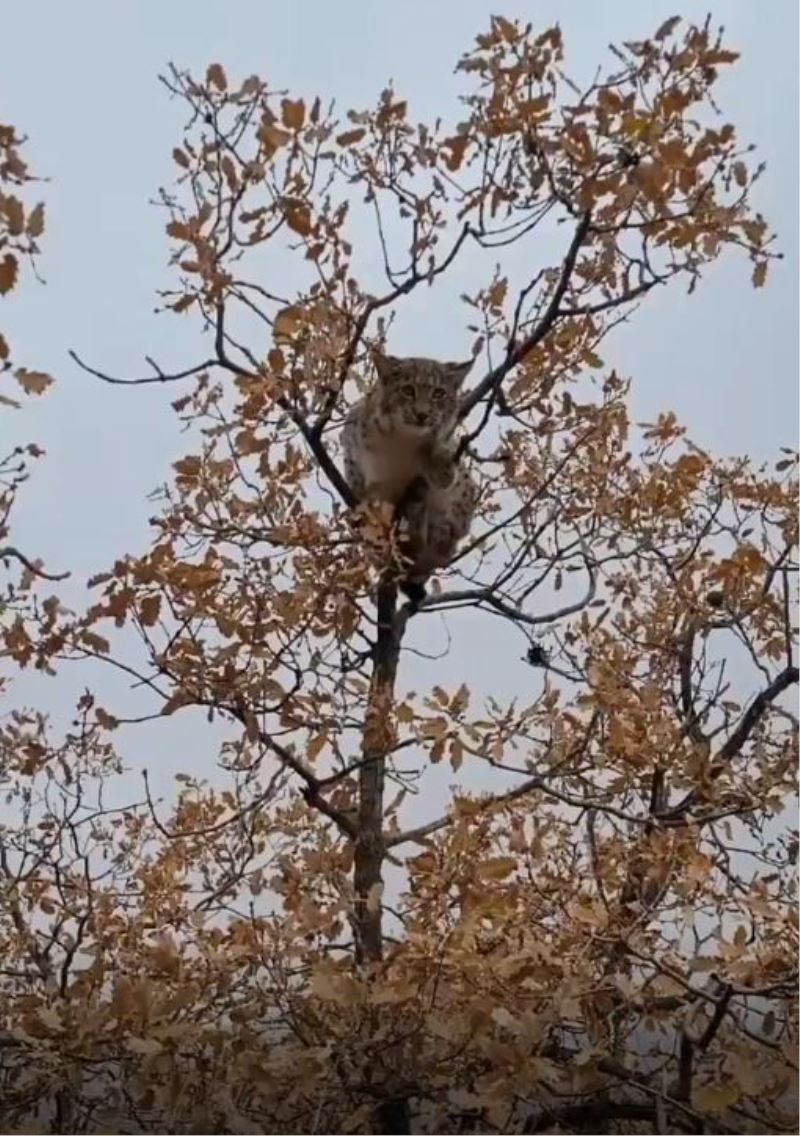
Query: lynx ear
x,y
387,366
457,372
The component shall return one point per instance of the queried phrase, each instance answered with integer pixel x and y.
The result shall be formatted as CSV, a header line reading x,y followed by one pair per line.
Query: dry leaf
x,y
32,382
497,868
35,226
216,77
8,273
293,113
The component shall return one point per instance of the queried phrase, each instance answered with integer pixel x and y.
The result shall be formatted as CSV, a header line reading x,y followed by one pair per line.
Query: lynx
x,y
400,446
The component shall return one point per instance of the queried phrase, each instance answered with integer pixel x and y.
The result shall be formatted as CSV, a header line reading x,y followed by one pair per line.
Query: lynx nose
x,y
420,417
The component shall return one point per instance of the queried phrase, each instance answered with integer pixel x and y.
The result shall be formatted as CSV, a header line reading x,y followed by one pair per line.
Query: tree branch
x,y
750,719
15,554
424,830
373,305
688,710
486,596
517,350
753,715
311,792
159,377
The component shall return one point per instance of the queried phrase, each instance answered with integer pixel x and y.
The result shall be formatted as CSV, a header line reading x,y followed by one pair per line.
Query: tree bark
x,y
370,850
392,1114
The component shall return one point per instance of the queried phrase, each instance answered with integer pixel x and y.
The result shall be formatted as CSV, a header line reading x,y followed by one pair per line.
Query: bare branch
x,y
479,596
753,715
518,350
750,719
34,569
159,377
373,305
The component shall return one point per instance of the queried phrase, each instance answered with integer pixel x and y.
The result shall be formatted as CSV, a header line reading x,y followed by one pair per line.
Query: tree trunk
x,y
391,1115
377,740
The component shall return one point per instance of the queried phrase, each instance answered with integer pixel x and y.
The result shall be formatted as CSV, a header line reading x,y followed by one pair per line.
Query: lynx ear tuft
x,y
457,372
387,366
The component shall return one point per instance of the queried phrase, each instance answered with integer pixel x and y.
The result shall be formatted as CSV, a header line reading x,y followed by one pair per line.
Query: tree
x,y
604,932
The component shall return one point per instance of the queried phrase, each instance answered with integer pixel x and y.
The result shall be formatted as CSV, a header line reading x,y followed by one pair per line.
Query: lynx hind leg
x,y
441,470
413,547
432,544
433,539
442,542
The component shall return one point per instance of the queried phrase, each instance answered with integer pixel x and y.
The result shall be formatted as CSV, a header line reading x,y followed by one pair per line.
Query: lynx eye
x,y
408,391
438,394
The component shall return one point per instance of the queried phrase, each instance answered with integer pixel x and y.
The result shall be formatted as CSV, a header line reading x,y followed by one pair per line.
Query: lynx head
x,y
419,396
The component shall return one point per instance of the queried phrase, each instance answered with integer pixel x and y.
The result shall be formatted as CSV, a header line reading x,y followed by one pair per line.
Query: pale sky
x,y
81,80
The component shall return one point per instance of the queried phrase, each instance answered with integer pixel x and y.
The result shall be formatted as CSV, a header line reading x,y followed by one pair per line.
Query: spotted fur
x,y
437,521
403,428
403,433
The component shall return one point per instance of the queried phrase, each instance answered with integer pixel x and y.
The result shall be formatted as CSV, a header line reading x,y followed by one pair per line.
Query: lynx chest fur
x,y
404,427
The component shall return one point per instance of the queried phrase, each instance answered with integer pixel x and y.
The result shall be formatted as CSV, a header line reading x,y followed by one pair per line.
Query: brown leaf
x,y
32,382
350,137
760,274
179,230
287,321
293,113
298,218
331,986
149,610
740,173
15,214
456,754
216,77
590,359
586,912
8,273
711,58
229,170
272,136
667,28
497,868
316,746
457,146
105,720
188,466
96,642
35,225
460,699
251,85
437,751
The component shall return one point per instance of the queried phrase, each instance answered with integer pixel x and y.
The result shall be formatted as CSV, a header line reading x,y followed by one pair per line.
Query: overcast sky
x,y
81,80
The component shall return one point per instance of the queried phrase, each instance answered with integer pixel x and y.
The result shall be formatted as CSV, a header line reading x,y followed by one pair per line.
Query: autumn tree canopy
x,y
597,932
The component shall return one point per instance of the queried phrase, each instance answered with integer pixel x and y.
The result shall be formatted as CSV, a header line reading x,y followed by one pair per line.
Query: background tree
x,y
606,937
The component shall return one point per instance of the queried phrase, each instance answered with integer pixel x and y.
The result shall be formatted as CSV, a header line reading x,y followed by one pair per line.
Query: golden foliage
x,y
599,929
